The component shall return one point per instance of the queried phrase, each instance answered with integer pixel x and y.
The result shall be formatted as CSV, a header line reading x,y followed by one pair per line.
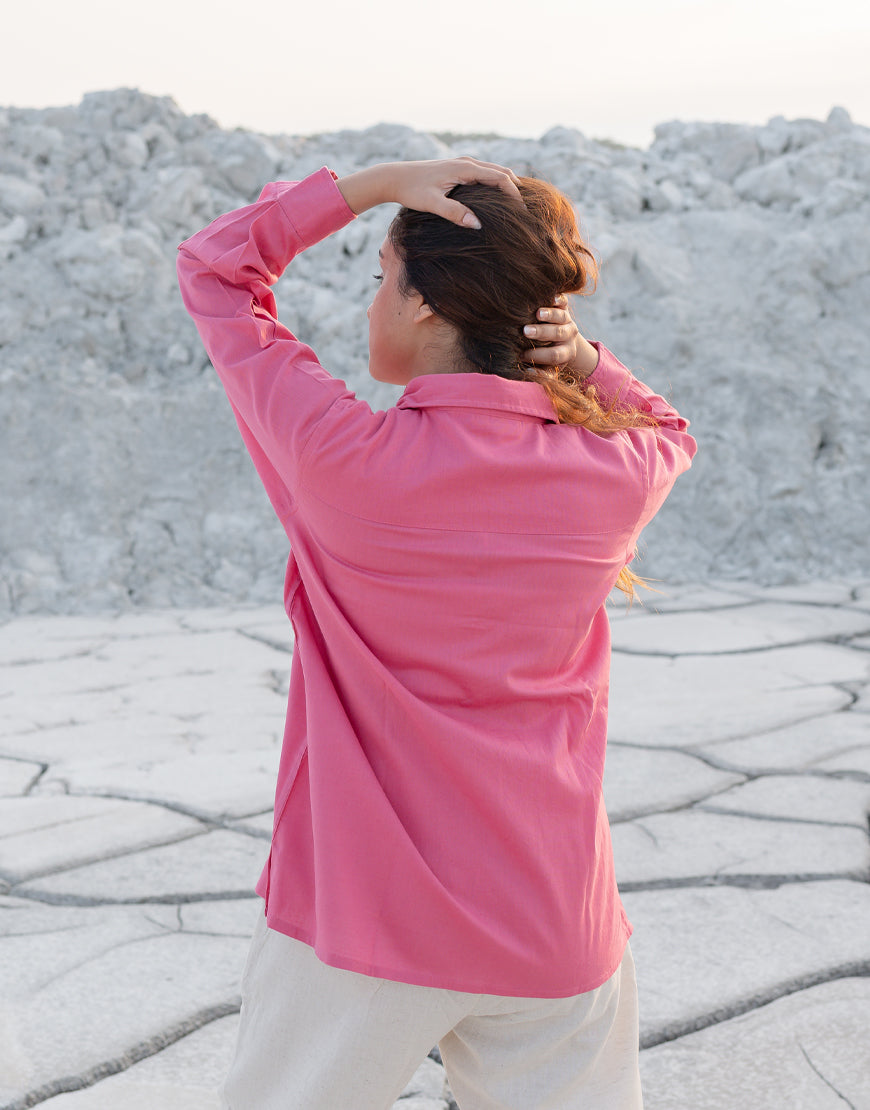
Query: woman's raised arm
x,y
276,386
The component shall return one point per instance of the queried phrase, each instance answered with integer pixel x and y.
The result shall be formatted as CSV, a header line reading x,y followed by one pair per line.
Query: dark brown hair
x,y
488,284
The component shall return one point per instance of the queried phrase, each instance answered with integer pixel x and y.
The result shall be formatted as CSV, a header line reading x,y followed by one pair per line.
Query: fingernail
x,y
544,313
530,330
470,220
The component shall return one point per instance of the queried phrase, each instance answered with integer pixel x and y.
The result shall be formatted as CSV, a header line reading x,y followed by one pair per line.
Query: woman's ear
x,y
423,312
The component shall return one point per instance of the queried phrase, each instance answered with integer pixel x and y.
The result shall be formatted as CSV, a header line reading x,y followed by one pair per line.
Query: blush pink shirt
x,y
439,816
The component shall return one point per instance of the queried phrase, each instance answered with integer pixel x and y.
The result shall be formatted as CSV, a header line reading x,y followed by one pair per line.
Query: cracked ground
x,y
137,762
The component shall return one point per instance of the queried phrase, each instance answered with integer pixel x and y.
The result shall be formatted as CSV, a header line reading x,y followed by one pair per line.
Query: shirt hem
x,y
438,980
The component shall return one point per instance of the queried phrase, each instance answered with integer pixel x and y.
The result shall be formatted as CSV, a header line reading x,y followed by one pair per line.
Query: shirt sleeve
x,y
277,388
665,448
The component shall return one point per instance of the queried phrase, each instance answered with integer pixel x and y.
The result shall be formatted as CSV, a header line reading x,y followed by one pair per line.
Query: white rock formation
x,y
735,273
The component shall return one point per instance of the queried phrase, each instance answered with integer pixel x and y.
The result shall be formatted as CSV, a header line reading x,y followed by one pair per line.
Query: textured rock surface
x,y
804,1052
740,840
735,273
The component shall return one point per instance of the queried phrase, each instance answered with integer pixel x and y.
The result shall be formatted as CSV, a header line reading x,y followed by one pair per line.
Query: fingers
x,y
465,171
555,325
556,331
424,185
558,311
559,355
491,173
550,333
457,213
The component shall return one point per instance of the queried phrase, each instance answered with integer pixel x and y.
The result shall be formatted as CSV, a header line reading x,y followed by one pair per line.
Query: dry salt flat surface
x,y
137,763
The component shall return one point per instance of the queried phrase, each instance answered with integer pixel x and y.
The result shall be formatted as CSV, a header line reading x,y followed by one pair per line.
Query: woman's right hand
x,y
555,326
424,186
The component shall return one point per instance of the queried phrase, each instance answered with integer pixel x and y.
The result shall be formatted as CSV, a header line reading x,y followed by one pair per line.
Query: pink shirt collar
x,y
477,391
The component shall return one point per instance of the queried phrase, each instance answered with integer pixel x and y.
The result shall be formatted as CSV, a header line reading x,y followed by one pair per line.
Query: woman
x,y
440,868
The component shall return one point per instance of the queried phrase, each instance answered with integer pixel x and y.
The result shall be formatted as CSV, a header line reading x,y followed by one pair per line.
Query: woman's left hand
x,y
424,186
555,326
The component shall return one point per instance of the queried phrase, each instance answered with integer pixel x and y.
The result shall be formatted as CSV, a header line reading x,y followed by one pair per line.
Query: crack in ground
x,y
625,816
162,926
28,662
34,782
827,1082
49,898
277,681
847,688
37,775
716,763
700,752
744,600
747,600
212,821
39,932
621,817
261,615
783,772
699,805
838,640
133,1055
845,775
651,835
78,865
673,1031
163,931
702,807
277,645
140,680
210,933
742,882
42,726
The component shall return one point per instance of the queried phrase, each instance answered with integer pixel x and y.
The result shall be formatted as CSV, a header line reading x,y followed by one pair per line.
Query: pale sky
x,y
610,69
